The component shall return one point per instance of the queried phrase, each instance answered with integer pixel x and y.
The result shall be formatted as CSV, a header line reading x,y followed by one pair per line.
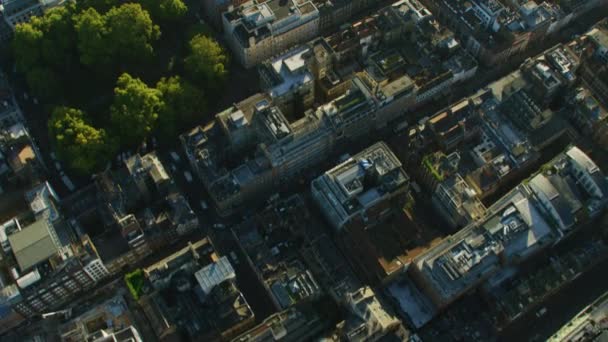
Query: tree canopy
x,y
26,45
171,9
44,48
84,147
165,10
101,6
123,34
207,61
135,109
130,32
71,56
57,46
182,104
47,40
92,42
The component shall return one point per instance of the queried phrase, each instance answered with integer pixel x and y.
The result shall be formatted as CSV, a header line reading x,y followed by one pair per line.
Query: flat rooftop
x,y
291,71
202,251
359,183
33,244
512,231
246,108
111,315
349,175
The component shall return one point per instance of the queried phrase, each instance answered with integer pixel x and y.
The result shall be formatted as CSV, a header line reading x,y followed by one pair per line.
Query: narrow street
x,y
561,308
223,239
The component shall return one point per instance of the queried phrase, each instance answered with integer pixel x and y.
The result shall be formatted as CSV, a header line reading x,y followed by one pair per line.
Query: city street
x,y
222,239
561,308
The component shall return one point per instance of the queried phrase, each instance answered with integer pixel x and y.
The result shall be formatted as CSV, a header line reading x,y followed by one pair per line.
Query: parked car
x,y
235,260
541,312
188,176
204,205
174,156
68,182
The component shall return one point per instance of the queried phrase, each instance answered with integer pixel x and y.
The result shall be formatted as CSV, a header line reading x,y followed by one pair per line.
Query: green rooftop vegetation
x,y
390,61
427,161
349,102
135,283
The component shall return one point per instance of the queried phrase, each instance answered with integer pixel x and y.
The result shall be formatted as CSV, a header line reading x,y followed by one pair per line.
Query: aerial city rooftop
x,y
299,170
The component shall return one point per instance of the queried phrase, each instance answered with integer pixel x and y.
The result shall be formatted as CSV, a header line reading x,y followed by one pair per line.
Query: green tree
x,y
135,109
81,145
165,10
123,35
58,46
182,105
172,9
207,61
44,49
130,33
45,41
92,42
26,46
101,6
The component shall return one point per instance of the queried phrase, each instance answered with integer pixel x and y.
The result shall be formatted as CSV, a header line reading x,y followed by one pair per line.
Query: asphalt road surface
x,y
561,308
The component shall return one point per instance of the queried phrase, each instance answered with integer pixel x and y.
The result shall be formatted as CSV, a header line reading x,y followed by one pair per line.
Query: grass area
x,y
135,283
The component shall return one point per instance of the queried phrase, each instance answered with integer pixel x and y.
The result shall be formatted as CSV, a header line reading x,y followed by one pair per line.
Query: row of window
x,y
23,17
